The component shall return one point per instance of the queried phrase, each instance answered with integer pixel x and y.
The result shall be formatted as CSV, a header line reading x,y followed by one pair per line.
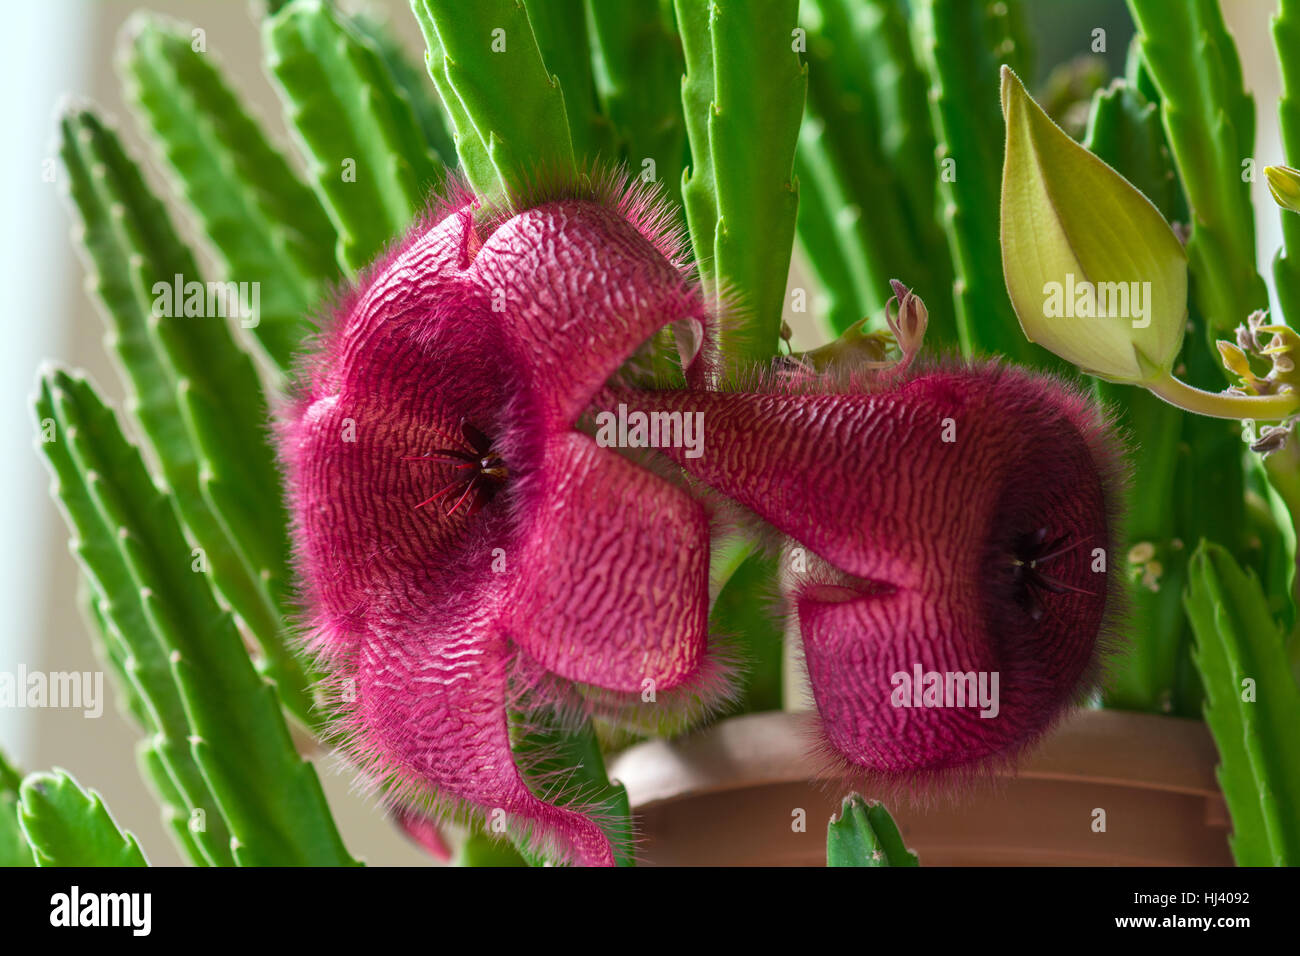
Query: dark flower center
x,y
1030,555
478,472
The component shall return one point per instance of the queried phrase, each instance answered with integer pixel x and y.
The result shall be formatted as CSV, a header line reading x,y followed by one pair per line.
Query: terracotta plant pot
x,y
730,795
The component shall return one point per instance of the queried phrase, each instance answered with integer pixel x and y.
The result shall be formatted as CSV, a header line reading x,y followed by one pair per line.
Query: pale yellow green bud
x,y
1284,184
1094,272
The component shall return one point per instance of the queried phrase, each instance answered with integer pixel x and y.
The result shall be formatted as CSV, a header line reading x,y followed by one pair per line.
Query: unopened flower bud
x,y
1284,184
1094,272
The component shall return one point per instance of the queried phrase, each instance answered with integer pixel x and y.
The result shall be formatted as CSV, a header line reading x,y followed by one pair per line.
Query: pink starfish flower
x,y
460,543
954,521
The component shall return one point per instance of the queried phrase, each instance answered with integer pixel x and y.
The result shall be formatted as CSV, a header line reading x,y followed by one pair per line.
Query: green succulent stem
x,y
1210,121
1286,264
961,45
743,99
1251,701
509,113
1267,408
1282,469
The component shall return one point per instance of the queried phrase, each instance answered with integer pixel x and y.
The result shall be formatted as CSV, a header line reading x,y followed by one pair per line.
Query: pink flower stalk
x,y
955,521
460,543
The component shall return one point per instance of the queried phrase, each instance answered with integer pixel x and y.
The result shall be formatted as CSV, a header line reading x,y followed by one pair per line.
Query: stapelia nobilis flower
x,y
950,532
460,542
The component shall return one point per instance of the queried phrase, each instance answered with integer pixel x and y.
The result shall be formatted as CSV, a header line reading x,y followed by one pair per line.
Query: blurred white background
x,y
60,47
51,50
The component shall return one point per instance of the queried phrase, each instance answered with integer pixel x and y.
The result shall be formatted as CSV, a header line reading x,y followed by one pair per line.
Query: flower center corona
x,y
1032,552
479,472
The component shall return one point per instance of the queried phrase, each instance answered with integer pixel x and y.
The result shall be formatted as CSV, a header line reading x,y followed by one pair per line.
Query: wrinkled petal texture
x,y
627,560
578,288
431,704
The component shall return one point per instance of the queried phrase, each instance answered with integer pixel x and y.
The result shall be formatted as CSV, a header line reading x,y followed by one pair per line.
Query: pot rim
x,y
1119,748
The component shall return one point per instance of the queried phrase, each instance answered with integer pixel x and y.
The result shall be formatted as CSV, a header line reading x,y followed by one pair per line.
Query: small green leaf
x,y
1094,272
67,826
1252,707
864,834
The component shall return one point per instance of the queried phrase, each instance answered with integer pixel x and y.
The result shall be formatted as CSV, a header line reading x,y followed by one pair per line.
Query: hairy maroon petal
x,y
931,503
617,593
578,288
429,707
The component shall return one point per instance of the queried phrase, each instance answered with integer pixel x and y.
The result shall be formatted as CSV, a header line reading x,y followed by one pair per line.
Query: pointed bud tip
x,y
1009,82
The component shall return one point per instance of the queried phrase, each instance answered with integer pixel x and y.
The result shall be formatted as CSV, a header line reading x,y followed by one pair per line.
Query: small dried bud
x,y
861,350
908,319
1272,438
1248,334
1282,350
